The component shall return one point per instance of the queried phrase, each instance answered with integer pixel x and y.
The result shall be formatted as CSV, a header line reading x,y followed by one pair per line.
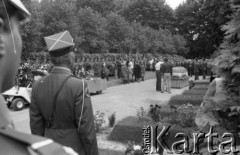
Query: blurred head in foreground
x,y
12,14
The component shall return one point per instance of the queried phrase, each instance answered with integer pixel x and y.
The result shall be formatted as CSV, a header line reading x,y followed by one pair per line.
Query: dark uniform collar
x,y
61,70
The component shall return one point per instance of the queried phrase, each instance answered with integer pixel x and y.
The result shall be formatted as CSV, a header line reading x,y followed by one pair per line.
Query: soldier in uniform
x,y
61,107
190,68
196,69
204,68
12,13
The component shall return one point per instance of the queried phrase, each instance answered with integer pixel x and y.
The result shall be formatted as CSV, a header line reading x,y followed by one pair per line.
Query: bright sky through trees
x,y
174,3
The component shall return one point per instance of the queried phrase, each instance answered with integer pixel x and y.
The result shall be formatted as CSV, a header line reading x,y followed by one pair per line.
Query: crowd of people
x,y
129,70
121,68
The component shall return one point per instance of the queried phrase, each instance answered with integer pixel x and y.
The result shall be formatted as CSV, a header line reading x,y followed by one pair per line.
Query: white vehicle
x,y
18,97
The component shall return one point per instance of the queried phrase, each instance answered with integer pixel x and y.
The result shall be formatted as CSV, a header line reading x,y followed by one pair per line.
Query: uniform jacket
x,y
204,65
68,110
196,66
14,142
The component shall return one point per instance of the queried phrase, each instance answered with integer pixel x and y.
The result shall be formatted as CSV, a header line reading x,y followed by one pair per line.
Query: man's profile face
x,y
10,45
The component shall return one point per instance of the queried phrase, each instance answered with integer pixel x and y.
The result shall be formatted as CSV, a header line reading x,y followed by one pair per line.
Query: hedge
x,y
195,92
200,87
195,100
128,129
131,129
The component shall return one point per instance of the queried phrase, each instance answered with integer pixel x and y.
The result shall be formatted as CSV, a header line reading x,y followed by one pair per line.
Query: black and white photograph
x,y
119,77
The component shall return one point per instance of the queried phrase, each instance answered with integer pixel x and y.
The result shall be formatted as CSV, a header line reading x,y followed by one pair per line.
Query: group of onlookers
x,y
164,70
128,70
133,71
195,67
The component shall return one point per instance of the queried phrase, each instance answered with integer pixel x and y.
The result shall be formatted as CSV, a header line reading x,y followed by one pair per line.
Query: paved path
x,y
122,99
125,99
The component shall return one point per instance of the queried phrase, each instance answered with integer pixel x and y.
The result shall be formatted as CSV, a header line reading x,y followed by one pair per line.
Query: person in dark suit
x,y
12,13
159,86
204,68
196,69
61,107
167,71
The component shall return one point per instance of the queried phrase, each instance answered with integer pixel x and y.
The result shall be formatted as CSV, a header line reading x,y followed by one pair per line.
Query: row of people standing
x,y
129,71
197,67
132,71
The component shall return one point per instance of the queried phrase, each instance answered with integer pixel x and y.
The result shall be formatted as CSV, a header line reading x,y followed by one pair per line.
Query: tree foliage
x,y
229,63
231,44
199,21
153,13
102,26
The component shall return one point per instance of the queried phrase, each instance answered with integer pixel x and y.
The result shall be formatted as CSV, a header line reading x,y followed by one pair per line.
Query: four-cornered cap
x,y
59,44
21,9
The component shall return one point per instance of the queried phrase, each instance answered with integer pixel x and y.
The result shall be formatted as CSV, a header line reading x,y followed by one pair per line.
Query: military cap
x,y
24,14
59,44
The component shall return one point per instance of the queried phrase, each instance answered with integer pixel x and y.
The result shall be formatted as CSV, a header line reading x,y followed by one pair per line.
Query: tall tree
x,y
118,36
154,13
31,31
103,7
200,23
231,44
90,33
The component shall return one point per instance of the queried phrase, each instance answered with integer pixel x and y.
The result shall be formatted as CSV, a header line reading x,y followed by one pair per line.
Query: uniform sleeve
x,y
86,127
36,119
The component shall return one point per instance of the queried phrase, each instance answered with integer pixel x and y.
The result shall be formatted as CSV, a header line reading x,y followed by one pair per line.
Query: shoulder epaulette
x,y
35,143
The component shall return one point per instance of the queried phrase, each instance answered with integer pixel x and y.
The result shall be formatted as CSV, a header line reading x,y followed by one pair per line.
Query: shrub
x,y
142,114
97,69
128,129
183,115
187,116
112,120
184,99
99,120
154,113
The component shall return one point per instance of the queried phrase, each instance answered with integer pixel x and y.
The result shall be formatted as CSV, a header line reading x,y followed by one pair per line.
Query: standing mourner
x,y
105,71
190,68
204,68
137,71
196,69
143,69
115,69
119,67
158,76
124,73
61,107
12,13
129,71
166,71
